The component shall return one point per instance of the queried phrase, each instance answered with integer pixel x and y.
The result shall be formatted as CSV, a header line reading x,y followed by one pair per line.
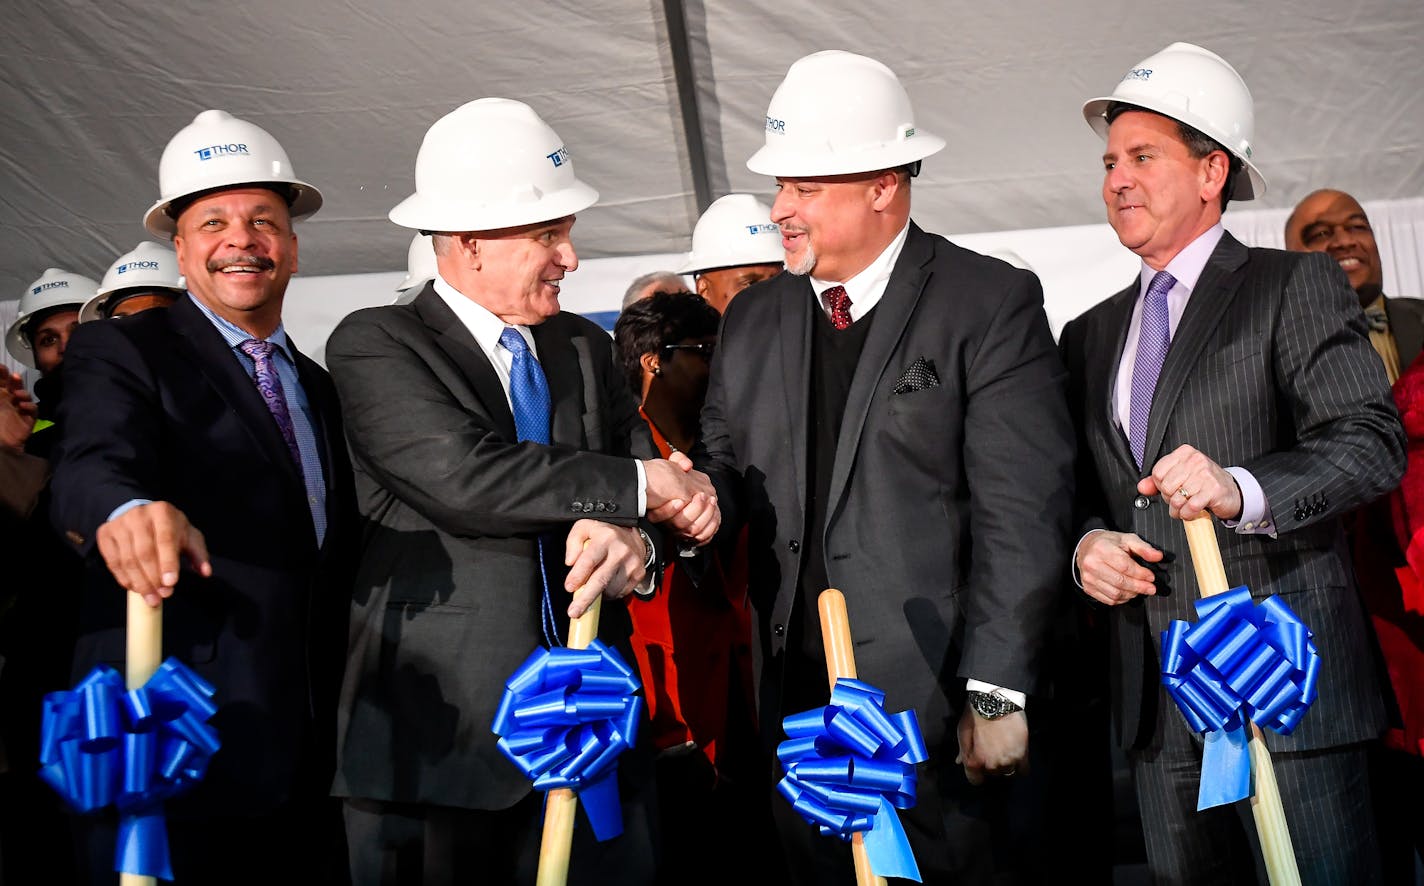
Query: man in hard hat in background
x,y
420,268
645,285
39,597
734,245
145,277
202,462
1236,384
890,416
503,465
1333,222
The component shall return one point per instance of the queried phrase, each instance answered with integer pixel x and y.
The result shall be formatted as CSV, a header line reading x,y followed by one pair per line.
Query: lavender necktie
x,y
529,397
1152,342
269,385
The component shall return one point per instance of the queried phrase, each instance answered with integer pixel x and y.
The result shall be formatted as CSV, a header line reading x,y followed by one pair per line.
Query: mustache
x,y
260,262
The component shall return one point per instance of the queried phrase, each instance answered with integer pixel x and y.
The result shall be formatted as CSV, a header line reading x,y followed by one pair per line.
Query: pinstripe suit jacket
x,y
1270,369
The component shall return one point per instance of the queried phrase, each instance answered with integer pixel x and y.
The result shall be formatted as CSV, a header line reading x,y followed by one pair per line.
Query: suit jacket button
x,y
793,546
612,506
74,538
588,507
600,507
1141,502
779,630
575,507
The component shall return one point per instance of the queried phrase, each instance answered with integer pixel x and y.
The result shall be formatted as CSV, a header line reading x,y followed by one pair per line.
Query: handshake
x,y
682,498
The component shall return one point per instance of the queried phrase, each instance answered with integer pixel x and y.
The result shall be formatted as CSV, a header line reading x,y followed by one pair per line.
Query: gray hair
x,y
643,285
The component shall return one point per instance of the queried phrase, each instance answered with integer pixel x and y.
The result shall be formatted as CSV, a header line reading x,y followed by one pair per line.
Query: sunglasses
x,y
705,349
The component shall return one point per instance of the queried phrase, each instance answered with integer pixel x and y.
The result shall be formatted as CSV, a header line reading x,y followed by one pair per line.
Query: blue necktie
x,y
1153,339
529,398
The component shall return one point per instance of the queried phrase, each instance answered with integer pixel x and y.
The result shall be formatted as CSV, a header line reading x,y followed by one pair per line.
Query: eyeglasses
x,y
705,349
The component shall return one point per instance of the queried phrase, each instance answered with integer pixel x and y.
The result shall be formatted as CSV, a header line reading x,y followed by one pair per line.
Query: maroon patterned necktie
x,y
269,385
838,304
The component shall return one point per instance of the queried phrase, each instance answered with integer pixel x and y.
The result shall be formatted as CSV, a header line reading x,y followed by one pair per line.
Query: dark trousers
x,y
302,843
405,844
1325,795
1397,786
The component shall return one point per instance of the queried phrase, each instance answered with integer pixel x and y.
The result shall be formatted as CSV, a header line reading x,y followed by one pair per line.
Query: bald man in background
x,y
1333,222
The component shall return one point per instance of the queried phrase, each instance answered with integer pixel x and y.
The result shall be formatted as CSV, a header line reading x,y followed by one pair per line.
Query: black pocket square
x,y
917,377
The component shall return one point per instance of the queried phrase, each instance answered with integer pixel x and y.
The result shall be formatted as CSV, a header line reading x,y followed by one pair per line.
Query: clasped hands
x,y
1191,484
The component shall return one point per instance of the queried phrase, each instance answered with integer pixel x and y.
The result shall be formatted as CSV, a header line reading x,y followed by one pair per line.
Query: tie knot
x,y
513,341
838,306
1377,318
257,349
1162,283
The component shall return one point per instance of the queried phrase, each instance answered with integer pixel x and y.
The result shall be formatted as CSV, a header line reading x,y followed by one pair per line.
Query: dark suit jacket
x,y
1271,370
157,407
947,505
1406,323
447,598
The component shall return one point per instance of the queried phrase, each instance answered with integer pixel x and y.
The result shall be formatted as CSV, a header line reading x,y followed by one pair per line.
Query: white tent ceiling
x,y
93,90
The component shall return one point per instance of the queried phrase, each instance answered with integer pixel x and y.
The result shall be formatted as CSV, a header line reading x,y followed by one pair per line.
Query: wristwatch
x,y
990,705
648,564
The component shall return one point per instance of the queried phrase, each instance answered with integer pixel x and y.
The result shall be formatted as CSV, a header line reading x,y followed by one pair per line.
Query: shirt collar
x,y
1186,266
866,287
479,320
235,335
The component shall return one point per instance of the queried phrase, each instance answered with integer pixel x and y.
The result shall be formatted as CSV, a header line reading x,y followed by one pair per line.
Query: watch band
x,y
990,705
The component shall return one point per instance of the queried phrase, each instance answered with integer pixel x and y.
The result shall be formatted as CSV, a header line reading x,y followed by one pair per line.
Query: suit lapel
x,y
457,342
209,351
1217,286
1109,336
564,374
794,338
892,314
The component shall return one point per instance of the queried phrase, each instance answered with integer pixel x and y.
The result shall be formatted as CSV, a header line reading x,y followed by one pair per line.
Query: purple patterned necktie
x,y
1152,341
838,304
269,385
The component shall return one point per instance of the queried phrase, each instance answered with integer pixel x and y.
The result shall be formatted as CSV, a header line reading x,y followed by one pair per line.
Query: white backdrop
x,y
1078,266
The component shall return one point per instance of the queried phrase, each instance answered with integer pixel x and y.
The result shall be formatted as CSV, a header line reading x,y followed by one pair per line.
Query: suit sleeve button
x,y
779,630
1141,502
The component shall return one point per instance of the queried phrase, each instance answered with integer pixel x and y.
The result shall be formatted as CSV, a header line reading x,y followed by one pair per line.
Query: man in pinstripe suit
x,y
1271,413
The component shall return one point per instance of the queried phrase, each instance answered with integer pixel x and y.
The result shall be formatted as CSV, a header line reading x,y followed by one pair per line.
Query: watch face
x,y
991,706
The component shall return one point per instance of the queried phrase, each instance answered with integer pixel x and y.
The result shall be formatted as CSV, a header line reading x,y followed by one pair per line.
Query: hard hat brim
x,y
695,265
1095,113
161,225
15,339
788,161
444,215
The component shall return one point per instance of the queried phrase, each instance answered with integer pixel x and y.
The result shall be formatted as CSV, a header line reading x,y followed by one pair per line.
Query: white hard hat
x,y
420,263
1197,87
148,267
837,112
488,164
217,150
54,289
735,230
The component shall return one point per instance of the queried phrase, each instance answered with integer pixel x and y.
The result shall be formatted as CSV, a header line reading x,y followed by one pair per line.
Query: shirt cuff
x,y
127,506
1012,695
1073,566
642,487
1255,518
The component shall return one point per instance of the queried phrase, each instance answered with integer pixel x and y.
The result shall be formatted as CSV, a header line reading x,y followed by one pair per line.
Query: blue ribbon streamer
x,y
1240,662
102,745
849,765
565,717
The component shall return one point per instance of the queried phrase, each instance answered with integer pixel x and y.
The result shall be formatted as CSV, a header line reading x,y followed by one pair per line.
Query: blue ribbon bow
x,y
566,716
849,765
1239,662
101,745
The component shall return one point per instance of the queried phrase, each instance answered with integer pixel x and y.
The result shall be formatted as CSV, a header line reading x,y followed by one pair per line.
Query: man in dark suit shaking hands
x,y
201,433
501,464
889,418
1238,383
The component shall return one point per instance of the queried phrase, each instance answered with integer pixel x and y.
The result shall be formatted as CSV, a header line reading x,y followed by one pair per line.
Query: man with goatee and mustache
x,y
1236,385
202,466
889,420
507,482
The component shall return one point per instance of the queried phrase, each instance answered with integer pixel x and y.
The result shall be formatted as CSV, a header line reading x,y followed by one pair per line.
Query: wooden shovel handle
x,y
143,640
1266,806
840,662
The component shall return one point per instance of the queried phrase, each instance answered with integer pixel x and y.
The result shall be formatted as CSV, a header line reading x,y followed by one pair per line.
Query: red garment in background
x,y
693,648
1397,607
